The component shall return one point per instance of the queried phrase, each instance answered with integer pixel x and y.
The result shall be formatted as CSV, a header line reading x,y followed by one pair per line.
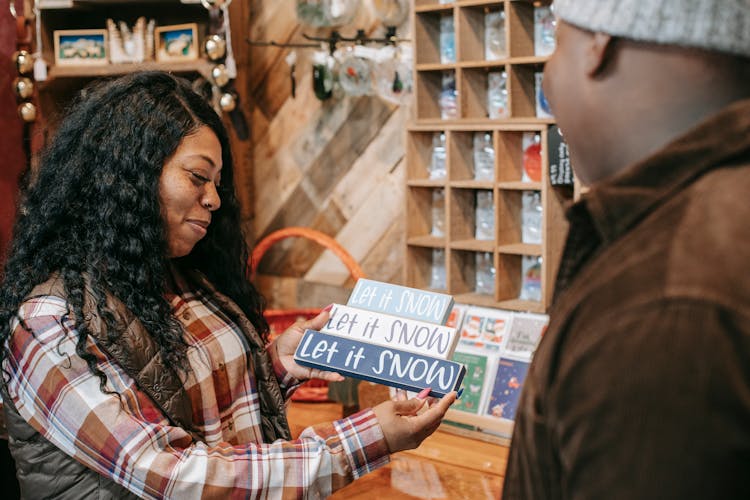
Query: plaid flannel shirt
x,y
129,440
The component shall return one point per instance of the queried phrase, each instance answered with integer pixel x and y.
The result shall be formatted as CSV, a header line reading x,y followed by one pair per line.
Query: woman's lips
x,y
199,226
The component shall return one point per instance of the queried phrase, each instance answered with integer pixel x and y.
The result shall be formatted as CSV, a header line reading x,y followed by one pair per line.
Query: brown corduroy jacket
x,y
641,386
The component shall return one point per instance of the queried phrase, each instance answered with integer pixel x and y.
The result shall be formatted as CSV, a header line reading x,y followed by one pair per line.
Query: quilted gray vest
x,y
44,471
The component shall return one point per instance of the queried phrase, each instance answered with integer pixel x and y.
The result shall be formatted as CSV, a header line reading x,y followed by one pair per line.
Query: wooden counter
x,y
444,466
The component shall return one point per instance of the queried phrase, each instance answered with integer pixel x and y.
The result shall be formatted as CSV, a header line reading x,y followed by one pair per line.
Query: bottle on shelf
x,y
494,35
447,39
485,216
437,168
497,95
531,217
437,271
531,278
485,274
438,213
484,156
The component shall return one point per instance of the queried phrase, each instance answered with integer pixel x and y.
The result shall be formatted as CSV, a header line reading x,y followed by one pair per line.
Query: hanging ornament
x,y
40,65
392,75
229,62
216,47
327,13
219,75
323,75
218,4
355,72
27,112
391,12
227,102
291,60
24,62
24,87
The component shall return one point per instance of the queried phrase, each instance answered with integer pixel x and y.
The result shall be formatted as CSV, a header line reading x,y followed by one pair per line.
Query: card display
x,y
474,381
506,389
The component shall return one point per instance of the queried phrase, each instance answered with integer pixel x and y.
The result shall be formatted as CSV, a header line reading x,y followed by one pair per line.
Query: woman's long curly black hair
x,y
92,210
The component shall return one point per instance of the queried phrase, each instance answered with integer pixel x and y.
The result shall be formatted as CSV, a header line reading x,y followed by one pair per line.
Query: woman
x,y
134,351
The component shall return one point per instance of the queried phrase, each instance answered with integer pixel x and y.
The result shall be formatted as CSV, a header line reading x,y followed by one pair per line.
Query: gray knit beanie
x,y
721,25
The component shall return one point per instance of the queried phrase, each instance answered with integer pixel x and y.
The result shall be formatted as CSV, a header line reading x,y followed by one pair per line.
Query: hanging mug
x,y
326,13
392,75
323,79
355,72
390,12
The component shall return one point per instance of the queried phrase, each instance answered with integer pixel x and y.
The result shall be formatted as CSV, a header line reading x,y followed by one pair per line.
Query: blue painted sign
x,y
388,366
401,301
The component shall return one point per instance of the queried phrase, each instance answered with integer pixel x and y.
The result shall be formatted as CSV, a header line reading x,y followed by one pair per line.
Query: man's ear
x,y
598,54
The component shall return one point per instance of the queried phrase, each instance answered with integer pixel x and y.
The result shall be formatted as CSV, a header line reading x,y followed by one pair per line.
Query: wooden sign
x,y
401,301
392,331
383,365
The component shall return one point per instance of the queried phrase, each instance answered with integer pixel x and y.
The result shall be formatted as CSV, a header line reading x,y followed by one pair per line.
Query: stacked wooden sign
x,y
391,335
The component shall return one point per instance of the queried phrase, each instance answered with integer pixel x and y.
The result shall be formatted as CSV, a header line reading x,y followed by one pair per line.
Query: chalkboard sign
x,y
383,365
560,169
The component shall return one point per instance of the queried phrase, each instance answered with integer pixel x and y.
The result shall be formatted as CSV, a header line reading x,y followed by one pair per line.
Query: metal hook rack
x,y
334,39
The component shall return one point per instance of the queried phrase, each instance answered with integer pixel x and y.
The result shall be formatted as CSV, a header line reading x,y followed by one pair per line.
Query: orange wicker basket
x,y
281,319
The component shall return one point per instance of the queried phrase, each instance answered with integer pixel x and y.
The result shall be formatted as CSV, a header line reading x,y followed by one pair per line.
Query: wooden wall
x,y
336,166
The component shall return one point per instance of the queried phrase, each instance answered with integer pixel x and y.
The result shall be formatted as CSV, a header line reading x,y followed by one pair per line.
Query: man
x,y
641,386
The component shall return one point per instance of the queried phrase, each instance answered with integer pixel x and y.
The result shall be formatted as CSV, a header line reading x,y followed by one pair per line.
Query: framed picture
x,y
81,48
176,43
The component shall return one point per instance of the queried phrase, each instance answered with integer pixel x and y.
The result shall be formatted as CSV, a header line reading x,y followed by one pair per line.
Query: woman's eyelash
x,y
201,178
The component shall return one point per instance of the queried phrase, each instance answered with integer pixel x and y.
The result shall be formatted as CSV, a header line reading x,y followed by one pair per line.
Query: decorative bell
x,y
24,87
27,112
219,75
228,102
216,47
24,62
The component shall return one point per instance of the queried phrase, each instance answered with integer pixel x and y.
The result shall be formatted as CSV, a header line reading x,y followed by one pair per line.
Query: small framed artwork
x,y
81,48
176,43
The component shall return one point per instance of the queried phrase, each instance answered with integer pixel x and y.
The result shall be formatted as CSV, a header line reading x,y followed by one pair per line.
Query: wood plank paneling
x,y
335,166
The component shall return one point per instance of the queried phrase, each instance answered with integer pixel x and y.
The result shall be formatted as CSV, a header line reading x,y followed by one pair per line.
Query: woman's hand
x,y
286,345
403,428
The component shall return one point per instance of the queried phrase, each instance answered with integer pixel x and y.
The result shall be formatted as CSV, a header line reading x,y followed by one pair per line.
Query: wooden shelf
x,y
474,245
426,241
520,249
528,60
478,3
473,123
520,186
69,4
472,184
426,183
198,66
433,7
496,64
505,85
510,139
435,66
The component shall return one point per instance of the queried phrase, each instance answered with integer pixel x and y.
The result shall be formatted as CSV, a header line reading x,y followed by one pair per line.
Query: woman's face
x,y
188,190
